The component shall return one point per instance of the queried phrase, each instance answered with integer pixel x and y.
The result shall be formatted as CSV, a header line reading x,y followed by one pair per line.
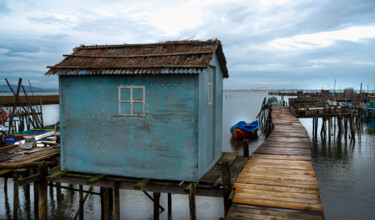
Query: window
x,y
131,100
209,93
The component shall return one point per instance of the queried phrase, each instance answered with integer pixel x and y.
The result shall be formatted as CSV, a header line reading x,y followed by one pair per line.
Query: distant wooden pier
x,y
278,181
44,99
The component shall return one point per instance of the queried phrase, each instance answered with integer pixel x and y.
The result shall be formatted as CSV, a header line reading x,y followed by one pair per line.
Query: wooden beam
x,y
140,185
57,175
29,179
95,179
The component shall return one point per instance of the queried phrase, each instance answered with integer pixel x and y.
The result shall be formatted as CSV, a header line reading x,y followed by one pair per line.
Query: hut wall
x,y
162,144
210,117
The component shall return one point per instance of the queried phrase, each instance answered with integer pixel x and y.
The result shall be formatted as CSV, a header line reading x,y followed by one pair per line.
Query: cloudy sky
x,y
267,43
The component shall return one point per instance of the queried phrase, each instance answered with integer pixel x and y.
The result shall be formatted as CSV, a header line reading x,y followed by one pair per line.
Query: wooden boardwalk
x,y
278,181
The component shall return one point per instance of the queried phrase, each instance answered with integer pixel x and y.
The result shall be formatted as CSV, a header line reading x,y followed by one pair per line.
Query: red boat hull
x,y
240,134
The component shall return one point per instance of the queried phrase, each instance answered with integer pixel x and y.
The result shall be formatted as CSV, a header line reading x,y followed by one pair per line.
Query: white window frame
x,y
209,94
131,100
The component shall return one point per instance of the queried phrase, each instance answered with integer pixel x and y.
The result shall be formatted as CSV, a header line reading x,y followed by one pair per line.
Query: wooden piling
x,y
110,198
245,147
227,186
156,196
36,195
105,204
193,214
329,128
15,196
6,184
43,172
169,206
81,202
117,200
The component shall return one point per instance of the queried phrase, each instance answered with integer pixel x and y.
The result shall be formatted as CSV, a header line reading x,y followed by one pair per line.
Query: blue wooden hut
x,y
142,110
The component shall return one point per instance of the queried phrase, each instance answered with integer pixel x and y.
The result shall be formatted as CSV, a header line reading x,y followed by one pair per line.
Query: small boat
x,y
244,130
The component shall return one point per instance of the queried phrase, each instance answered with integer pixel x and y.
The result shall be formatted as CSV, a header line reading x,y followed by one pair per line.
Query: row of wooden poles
x,y
27,117
345,126
110,197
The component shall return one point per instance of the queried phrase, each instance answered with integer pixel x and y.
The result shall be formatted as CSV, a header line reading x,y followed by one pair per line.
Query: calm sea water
x,y
345,173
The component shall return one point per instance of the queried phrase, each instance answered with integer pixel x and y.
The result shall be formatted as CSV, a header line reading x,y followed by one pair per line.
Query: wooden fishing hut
x,y
142,110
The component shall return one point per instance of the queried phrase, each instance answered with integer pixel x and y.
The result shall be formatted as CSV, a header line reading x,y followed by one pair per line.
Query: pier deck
x,y
278,181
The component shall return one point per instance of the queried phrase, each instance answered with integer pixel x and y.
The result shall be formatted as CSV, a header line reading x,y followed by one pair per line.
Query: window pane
x,y
125,94
137,94
125,108
137,108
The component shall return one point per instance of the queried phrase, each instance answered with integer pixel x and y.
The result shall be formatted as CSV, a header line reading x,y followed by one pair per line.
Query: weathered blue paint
x,y
179,138
210,118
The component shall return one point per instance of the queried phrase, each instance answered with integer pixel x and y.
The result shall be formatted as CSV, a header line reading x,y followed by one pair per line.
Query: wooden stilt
x,y
15,197
329,128
156,196
6,184
227,186
80,202
117,200
193,215
245,147
58,190
26,190
110,199
105,204
36,196
101,203
346,128
43,172
169,206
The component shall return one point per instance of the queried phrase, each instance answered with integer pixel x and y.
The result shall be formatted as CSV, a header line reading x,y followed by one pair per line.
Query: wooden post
x,y
193,214
36,195
169,206
26,189
80,202
313,127
110,198
351,122
227,186
15,197
105,204
156,196
58,190
5,184
101,203
117,200
245,147
43,172
346,128
329,128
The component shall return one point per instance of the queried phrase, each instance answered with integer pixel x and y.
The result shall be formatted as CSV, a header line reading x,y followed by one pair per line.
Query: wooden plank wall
x,y
278,181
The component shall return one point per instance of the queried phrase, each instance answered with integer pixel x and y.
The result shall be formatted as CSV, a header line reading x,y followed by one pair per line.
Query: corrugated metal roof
x,y
174,57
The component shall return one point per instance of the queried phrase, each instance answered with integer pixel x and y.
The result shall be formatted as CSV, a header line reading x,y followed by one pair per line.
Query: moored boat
x,y
244,130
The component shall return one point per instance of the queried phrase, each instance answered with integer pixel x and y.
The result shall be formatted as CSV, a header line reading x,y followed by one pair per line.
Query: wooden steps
x,y
278,181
